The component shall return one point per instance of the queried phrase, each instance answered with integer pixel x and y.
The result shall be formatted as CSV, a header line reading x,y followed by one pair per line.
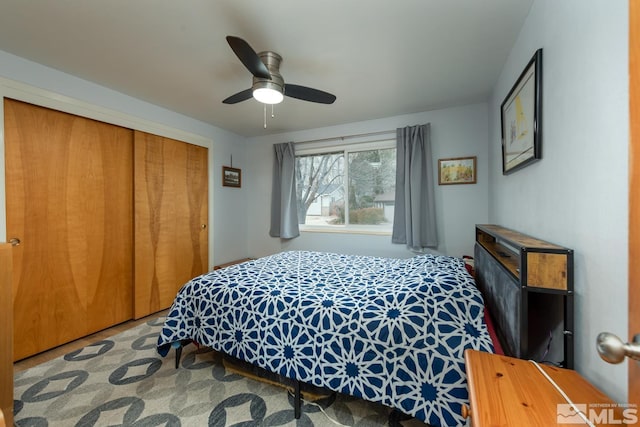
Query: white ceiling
x,y
379,57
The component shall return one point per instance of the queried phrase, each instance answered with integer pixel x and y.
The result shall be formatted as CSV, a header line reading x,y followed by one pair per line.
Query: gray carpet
x,y
123,381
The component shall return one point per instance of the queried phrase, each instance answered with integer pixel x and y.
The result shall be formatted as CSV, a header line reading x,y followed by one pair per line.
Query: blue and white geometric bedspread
x,y
387,330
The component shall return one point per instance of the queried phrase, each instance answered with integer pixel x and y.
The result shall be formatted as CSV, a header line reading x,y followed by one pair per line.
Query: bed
x,y
387,330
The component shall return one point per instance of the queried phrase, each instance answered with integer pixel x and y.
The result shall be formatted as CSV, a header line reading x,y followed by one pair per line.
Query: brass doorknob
x,y
14,241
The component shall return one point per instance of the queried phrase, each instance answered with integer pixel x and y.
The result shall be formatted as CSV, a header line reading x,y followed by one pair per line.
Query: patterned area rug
x,y
123,381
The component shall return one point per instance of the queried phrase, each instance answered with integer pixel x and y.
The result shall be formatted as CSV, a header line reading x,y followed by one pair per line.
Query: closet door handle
x,y
14,241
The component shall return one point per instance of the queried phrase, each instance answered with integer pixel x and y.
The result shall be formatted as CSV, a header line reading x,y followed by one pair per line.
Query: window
x,y
348,187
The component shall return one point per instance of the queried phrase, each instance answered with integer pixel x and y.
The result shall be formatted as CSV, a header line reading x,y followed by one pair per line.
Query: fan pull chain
x,y
264,114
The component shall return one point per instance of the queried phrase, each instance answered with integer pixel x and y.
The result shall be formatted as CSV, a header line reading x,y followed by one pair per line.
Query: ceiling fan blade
x,y
239,97
248,57
308,94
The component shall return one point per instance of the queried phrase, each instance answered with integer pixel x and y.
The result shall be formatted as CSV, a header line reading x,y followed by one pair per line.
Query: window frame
x,y
330,147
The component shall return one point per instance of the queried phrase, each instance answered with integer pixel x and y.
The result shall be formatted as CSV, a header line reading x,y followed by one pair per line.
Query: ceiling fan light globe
x,y
268,95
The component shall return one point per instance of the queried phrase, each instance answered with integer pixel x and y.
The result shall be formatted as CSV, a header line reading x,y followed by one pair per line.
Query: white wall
x,y
577,195
455,132
25,80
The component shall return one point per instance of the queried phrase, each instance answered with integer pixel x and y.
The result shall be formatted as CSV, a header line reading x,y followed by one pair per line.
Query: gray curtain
x,y
414,221
284,211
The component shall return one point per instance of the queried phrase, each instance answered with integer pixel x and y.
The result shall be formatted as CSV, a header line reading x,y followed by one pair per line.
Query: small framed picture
x,y
457,170
231,177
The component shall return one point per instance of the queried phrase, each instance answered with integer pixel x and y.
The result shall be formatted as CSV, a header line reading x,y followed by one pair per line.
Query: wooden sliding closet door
x,y
69,190
171,211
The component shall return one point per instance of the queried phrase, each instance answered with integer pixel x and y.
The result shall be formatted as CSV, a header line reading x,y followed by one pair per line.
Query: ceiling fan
x,y
268,85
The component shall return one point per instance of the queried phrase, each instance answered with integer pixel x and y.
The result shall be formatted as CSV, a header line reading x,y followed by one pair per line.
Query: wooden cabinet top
x,y
504,391
533,262
516,238
228,264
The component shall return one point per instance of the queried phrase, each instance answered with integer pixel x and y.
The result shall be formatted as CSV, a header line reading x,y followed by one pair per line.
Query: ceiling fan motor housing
x,y
272,61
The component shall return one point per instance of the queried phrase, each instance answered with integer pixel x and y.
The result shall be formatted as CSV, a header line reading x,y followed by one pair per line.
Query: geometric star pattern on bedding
x,y
392,331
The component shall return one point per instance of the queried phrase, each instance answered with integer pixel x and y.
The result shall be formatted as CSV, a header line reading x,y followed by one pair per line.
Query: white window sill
x,y
345,230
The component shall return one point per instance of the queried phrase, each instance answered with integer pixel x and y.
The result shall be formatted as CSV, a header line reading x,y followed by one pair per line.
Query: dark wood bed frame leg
x,y
297,399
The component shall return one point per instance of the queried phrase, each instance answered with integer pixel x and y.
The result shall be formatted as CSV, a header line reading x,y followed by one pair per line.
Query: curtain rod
x,y
342,138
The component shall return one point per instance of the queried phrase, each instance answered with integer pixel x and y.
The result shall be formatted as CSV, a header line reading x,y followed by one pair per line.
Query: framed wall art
x,y
457,170
231,177
521,118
